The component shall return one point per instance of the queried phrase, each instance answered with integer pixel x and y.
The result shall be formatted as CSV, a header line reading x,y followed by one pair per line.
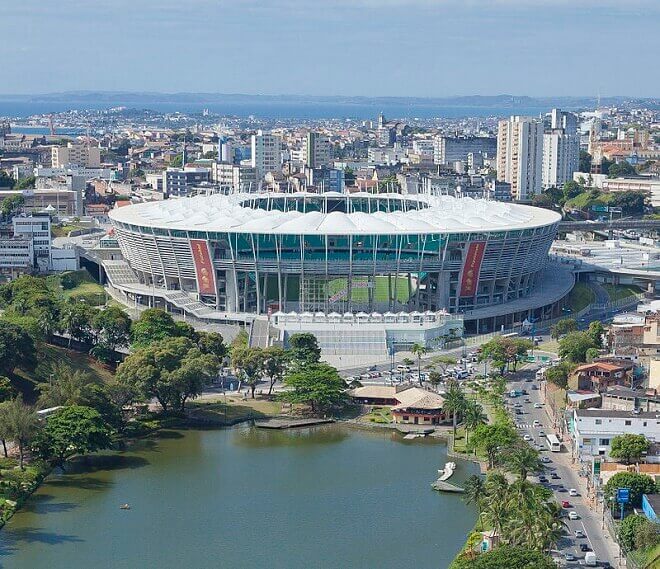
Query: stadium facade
x,y
337,253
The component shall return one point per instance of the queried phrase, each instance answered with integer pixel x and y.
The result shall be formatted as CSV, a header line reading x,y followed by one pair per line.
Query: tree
x,y
493,438
631,202
621,170
276,360
563,327
475,491
631,527
7,390
585,161
503,351
24,183
153,325
16,348
76,320
19,423
596,331
212,343
629,448
507,557
571,189
419,350
171,370
543,200
521,460
317,385
304,348
10,204
250,364
112,327
66,386
473,416
559,374
454,402
72,430
573,347
638,483
435,378
556,196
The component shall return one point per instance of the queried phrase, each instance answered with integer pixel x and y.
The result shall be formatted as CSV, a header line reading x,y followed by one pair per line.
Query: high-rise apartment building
x,y
36,228
317,150
450,149
266,153
561,149
78,154
520,155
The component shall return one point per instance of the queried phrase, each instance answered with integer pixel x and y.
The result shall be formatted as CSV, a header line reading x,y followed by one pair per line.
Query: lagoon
x,y
323,497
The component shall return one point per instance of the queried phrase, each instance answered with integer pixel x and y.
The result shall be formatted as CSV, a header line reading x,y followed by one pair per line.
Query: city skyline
x,y
361,48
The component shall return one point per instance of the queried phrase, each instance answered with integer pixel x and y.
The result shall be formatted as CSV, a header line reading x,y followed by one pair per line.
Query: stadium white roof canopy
x,y
233,213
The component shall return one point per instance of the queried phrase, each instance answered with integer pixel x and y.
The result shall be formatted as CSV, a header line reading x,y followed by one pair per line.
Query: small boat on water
x,y
125,507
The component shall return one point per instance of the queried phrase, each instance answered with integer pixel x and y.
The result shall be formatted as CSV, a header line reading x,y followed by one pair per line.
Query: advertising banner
x,y
470,278
203,267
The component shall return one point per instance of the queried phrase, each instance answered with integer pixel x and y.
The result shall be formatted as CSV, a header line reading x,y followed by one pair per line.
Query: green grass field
x,y
580,297
361,293
617,292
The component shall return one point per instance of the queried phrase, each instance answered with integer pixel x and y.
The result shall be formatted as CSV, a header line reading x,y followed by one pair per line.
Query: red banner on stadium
x,y
203,266
470,278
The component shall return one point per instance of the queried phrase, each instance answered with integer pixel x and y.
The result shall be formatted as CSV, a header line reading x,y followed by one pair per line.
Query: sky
x,y
425,48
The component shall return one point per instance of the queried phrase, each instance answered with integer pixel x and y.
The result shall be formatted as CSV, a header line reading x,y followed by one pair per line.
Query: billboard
x,y
203,266
471,268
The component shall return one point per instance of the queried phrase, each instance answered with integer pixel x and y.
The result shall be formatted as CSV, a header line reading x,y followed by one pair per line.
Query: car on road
x,y
570,557
565,504
573,515
555,476
527,438
534,386
537,423
545,460
579,534
584,547
573,492
542,479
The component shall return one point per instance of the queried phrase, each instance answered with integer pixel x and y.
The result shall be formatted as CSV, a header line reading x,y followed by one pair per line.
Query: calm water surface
x,y
327,497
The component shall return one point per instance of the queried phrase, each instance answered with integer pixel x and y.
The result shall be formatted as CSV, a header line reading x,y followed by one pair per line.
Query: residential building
x,y
179,181
58,201
625,399
520,155
409,405
266,153
561,150
600,375
450,149
78,154
232,176
16,256
594,429
36,228
317,150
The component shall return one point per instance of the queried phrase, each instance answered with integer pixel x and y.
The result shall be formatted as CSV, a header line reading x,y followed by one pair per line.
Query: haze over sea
x,y
278,109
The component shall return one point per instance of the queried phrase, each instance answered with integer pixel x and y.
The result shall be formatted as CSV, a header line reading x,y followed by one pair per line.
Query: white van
x,y
590,559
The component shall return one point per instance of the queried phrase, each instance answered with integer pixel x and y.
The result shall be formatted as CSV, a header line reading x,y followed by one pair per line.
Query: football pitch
x,y
337,289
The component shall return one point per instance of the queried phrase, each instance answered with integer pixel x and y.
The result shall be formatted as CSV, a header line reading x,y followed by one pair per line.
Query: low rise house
x,y
600,375
594,429
410,405
625,399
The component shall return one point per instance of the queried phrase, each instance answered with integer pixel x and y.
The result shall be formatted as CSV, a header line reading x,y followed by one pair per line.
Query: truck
x,y
590,559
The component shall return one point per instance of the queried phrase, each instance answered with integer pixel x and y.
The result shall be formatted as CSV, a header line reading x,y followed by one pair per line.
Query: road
x,y
589,520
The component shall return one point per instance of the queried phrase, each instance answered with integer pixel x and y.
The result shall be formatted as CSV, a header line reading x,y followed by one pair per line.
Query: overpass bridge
x,y
636,224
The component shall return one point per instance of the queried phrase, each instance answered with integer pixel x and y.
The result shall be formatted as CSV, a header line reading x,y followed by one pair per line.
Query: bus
x,y
553,443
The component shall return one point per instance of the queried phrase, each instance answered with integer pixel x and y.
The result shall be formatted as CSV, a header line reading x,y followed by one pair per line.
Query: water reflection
x,y
252,437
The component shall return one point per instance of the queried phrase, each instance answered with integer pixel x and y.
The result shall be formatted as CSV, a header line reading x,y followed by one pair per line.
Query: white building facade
x,y
520,155
594,429
37,229
561,150
266,153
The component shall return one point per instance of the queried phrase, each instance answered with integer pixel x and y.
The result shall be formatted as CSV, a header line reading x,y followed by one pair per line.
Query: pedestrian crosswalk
x,y
523,425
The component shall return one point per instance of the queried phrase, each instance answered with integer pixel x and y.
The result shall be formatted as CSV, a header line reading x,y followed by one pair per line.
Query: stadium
x,y
361,253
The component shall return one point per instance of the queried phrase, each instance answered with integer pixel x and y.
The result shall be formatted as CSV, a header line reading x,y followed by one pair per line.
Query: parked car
x,y
565,504
545,460
579,534
569,557
537,405
573,492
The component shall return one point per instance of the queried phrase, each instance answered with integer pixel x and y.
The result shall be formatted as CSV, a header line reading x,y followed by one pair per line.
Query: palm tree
x,y
473,416
521,460
454,402
419,350
19,423
475,491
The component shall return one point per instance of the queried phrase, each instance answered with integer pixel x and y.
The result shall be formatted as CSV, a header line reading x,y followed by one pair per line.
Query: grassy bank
x,y
17,485
580,297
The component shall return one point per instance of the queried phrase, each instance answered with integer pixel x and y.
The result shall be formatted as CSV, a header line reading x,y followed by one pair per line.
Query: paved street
x,y
590,519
